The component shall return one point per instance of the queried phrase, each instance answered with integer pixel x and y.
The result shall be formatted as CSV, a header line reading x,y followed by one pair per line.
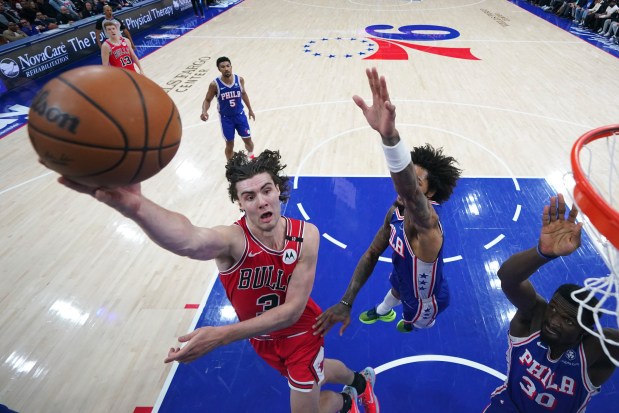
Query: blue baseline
x,y
474,327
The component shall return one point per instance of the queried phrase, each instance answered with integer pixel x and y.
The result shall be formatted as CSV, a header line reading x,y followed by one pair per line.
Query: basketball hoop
x,y
593,160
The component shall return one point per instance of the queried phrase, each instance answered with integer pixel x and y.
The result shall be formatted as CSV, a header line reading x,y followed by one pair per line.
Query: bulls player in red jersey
x,y
116,50
267,265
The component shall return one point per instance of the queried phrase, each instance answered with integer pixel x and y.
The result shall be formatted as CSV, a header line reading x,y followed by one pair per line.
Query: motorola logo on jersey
x,y
290,256
387,43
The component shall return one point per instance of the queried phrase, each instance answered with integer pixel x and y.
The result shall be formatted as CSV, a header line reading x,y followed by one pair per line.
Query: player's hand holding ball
x,y
101,126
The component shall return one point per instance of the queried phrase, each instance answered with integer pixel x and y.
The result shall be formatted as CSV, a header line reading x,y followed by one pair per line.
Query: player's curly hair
x,y
442,171
221,60
240,168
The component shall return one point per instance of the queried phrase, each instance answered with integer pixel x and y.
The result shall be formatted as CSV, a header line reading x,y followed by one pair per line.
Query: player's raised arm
x,y
560,235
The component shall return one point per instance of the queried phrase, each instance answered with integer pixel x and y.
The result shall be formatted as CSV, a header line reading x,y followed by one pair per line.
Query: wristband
x,y
398,157
346,303
541,254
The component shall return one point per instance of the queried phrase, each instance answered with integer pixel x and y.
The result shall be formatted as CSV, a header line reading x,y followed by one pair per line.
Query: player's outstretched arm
x,y
381,117
170,230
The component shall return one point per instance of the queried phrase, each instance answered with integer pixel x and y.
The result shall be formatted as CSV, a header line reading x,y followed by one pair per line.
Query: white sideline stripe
x,y
194,323
25,182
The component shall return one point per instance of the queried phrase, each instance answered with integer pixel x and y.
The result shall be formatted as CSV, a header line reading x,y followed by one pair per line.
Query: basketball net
x,y
595,166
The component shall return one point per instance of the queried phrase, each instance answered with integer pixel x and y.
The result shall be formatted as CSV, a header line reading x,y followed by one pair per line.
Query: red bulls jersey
x,y
120,55
259,280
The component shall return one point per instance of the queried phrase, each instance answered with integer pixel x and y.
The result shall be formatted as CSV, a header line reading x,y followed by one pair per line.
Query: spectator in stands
x,y
108,15
65,17
589,20
79,5
67,4
7,16
553,6
592,9
571,8
28,10
198,9
117,4
610,25
88,10
28,28
97,6
44,7
13,33
44,23
600,18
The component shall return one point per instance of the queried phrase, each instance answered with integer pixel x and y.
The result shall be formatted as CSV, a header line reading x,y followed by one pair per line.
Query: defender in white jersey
x,y
423,178
231,94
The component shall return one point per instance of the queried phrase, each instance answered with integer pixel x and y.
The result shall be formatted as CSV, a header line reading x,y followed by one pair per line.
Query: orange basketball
x,y
104,126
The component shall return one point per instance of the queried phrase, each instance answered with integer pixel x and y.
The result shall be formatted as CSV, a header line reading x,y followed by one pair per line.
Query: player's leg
x,y
384,311
316,401
249,147
427,310
305,401
229,150
242,127
357,384
227,129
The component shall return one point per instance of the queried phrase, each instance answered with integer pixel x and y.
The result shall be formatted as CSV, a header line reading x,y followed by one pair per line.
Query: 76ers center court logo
x,y
290,256
385,43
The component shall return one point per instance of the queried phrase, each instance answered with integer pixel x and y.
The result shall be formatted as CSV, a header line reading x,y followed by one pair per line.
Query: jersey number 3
x,y
267,302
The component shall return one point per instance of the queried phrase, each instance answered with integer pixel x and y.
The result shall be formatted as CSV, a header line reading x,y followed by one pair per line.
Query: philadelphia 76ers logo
x,y
385,43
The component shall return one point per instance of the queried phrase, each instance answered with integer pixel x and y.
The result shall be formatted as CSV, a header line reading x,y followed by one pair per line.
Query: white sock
x,y
388,303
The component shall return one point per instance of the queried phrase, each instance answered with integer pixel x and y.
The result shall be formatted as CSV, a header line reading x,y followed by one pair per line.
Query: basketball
x,y
103,126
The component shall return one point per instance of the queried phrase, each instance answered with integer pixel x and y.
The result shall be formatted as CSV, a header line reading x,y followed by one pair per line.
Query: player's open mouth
x,y
550,331
266,216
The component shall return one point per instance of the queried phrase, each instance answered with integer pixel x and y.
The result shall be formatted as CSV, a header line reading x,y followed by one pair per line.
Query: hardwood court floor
x,y
90,306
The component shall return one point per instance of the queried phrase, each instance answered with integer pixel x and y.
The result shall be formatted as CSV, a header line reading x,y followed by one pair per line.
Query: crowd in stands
x,y
20,19
597,16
